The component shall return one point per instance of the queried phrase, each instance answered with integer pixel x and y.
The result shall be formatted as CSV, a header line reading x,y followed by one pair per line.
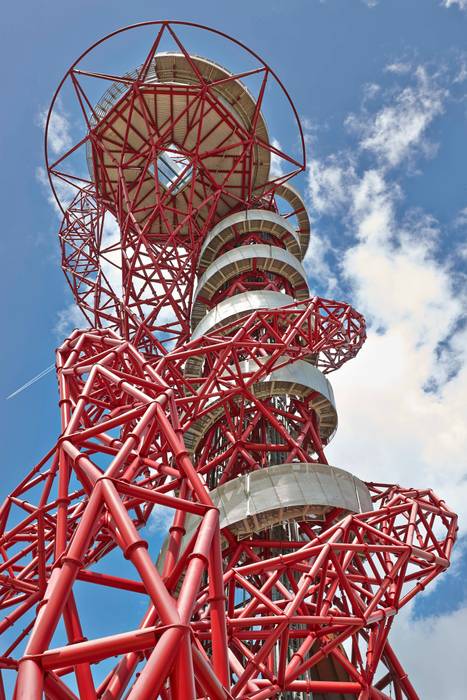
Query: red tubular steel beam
x,y
111,581
201,390
98,649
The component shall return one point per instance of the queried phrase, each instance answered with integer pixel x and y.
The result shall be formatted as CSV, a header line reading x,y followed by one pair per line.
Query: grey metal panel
x,y
242,259
294,198
173,67
249,220
239,305
298,374
234,96
267,497
299,378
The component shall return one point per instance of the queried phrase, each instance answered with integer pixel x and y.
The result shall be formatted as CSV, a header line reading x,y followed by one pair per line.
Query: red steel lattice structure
x,y
201,387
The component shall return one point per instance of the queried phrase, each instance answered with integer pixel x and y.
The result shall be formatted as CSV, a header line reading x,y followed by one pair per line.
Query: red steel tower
x,y
201,387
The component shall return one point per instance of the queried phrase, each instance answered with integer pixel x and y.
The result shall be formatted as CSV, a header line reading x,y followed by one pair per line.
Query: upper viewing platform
x,y
157,157
187,127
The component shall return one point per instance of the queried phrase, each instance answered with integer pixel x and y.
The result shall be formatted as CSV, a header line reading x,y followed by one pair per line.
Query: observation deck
x,y
194,139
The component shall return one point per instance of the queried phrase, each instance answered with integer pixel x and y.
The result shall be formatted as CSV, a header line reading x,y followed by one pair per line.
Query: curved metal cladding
x,y
252,260
200,390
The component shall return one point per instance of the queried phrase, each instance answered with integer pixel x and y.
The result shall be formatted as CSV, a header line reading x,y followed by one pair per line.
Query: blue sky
x,y
381,89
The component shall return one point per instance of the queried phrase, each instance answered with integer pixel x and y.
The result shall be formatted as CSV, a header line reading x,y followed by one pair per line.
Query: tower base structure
x,y
285,596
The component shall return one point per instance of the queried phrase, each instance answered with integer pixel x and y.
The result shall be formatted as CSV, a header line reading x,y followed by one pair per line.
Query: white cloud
x,y
402,401
68,319
70,316
398,129
65,191
110,258
161,519
370,91
59,140
432,651
329,183
399,67
461,4
372,207
392,428
461,218
59,133
316,265
277,163
462,73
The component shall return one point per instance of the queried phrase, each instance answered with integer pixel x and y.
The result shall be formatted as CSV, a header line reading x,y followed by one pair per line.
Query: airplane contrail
x,y
32,381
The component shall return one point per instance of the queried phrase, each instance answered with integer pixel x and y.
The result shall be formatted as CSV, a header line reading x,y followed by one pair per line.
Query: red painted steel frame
x,y
257,617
